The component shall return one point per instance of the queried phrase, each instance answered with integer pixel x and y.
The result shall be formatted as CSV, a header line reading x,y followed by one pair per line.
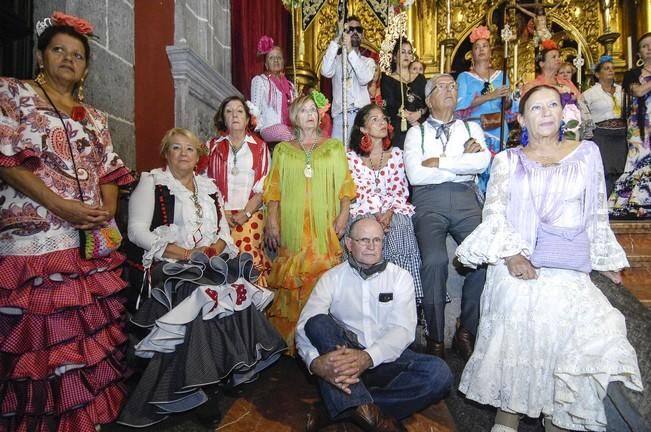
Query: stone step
x,y
638,281
635,238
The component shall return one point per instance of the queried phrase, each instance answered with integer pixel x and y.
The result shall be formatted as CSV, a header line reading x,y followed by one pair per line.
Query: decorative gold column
x,y
449,44
643,16
304,73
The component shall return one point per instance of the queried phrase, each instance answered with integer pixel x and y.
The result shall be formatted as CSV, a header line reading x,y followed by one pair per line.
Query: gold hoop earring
x,y
80,91
40,77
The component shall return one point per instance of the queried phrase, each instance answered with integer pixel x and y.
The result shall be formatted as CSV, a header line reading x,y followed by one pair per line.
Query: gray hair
x,y
429,87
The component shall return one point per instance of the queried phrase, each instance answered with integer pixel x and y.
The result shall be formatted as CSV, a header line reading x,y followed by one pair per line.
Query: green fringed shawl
x,y
329,167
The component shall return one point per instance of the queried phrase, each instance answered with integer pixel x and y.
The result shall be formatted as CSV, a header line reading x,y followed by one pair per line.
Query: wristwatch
x,y
248,214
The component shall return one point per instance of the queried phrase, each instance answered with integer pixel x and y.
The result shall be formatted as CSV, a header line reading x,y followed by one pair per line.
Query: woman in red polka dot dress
x,y
379,174
238,162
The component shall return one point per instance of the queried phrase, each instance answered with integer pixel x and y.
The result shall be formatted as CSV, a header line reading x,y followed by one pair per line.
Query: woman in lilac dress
x,y
548,341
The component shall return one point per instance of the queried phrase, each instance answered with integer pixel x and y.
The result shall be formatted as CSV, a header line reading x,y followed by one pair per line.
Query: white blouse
x,y
601,103
382,190
188,231
270,107
241,181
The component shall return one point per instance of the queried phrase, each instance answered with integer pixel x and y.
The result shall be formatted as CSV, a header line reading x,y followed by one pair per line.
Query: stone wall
x,y
201,62
110,83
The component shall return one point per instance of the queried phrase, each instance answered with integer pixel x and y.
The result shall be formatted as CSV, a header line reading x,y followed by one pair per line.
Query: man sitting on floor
x,y
353,334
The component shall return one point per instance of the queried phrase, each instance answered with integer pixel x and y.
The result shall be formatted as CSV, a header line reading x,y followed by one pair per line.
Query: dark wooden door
x,y
16,38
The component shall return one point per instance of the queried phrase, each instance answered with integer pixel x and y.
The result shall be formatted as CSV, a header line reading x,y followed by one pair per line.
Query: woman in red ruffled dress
x,y
61,316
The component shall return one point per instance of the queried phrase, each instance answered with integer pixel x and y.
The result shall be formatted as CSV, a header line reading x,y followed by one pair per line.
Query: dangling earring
x,y
639,63
561,132
80,91
365,143
40,77
524,136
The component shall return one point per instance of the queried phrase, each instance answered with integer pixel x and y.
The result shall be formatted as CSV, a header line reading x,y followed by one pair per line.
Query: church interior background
x,y
166,63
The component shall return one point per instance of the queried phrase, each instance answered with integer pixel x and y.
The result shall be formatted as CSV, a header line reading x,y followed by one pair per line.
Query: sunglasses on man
x,y
358,29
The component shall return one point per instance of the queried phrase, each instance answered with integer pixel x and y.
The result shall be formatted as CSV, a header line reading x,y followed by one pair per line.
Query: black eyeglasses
x,y
351,29
488,87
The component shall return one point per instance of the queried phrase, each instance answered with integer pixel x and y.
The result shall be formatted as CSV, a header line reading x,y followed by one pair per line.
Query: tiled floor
x,y
281,399
279,402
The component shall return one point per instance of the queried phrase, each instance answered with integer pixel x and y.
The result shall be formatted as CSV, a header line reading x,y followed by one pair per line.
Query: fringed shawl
x,y
286,183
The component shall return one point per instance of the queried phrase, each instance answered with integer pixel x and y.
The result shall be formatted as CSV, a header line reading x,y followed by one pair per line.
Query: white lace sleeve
x,y
606,253
494,238
162,236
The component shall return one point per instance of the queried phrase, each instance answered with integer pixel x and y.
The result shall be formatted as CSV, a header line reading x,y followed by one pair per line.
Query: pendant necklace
x,y
235,170
307,171
376,172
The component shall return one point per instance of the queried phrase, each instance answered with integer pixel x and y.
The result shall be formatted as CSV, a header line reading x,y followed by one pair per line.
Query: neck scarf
x,y
441,128
285,87
366,273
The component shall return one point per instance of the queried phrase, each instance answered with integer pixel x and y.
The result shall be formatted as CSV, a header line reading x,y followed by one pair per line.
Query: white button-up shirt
x,y
360,71
455,166
601,103
385,329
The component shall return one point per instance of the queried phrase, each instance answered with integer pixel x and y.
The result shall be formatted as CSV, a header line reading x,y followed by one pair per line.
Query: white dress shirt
x,y
187,231
270,108
385,329
360,71
455,166
601,103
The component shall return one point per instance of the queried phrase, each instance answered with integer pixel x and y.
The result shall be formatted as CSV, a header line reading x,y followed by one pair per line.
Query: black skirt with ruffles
x,y
206,328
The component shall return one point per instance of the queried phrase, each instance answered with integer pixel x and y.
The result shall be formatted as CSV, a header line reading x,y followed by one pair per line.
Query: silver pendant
x,y
442,154
235,171
308,171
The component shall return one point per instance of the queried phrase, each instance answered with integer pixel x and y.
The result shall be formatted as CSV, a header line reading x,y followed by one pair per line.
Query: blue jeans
x,y
400,388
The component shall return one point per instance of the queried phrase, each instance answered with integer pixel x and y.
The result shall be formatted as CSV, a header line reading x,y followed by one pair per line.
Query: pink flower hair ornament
x,y
58,18
265,44
479,32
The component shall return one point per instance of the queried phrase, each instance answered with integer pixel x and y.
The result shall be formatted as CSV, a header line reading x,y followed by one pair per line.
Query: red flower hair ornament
x,y
479,32
549,44
265,44
58,18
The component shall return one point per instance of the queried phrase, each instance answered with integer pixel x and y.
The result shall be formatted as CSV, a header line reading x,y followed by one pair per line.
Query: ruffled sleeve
x,y
14,149
110,168
606,253
494,238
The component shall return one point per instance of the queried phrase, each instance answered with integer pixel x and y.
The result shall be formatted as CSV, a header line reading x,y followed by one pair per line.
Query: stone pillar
x,y
201,62
110,82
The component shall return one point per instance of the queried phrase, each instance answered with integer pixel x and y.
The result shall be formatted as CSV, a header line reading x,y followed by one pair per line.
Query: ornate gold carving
x,y
309,10
580,20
